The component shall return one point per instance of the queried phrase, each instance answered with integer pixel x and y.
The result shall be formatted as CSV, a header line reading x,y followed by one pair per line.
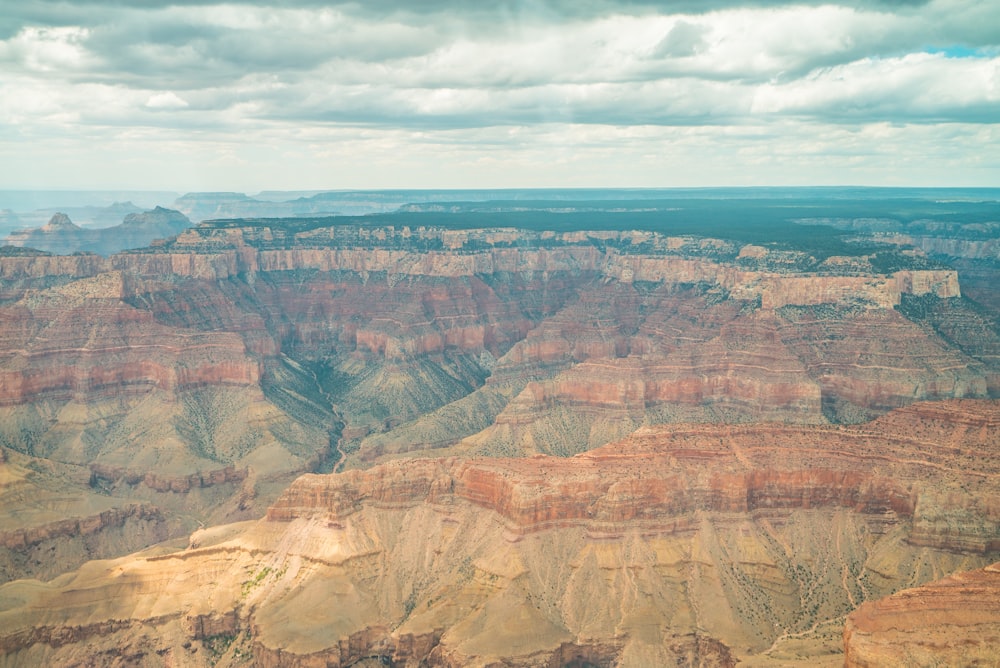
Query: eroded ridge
x,y
703,543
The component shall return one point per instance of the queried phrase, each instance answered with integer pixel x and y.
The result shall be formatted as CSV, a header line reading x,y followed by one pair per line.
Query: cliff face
x,y
690,544
51,520
379,341
954,621
230,251
660,474
48,550
139,411
664,483
70,344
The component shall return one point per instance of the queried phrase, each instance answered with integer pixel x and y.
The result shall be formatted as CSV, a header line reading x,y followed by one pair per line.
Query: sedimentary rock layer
x,y
224,252
211,369
950,622
703,543
664,473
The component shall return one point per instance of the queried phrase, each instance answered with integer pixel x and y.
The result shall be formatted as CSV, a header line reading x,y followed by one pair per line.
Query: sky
x,y
303,94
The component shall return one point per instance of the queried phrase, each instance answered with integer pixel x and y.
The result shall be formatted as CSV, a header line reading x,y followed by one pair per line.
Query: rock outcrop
x,y
81,341
950,622
701,544
51,521
489,341
661,474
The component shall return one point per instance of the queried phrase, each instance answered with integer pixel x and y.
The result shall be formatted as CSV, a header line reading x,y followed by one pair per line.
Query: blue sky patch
x,y
955,51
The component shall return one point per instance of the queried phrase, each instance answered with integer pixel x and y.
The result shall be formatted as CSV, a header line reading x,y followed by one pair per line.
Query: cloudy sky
x,y
303,94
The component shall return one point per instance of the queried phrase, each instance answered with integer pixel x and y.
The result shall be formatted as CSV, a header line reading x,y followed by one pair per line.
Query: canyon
x,y
693,543
308,442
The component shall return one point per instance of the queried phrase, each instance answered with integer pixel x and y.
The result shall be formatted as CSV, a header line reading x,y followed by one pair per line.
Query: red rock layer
x,y
951,622
66,348
611,555
592,491
102,473
204,306
660,476
391,303
417,316
870,361
19,539
745,366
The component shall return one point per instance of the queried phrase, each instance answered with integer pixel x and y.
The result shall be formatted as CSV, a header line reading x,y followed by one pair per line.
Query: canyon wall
x,y
954,621
779,289
664,473
606,448
613,329
704,544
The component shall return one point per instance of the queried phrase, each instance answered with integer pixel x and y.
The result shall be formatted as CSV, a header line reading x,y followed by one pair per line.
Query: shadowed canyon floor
x,y
608,448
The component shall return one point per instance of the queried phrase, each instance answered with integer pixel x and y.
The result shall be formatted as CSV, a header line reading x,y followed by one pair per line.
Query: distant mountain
x,y
103,216
204,206
87,216
65,200
224,205
61,236
60,224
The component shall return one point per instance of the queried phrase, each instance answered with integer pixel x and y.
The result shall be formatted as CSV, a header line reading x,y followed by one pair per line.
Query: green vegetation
x,y
960,322
258,579
218,645
797,313
255,581
918,308
890,261
24,430
764,217
21,251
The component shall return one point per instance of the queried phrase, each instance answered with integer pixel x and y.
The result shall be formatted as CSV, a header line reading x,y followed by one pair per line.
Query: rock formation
x,y
484,341
137,230
617,446
696,544
950,622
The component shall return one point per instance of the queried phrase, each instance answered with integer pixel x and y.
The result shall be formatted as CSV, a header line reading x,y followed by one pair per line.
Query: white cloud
x,y
167,100
919,86
624,92
43,49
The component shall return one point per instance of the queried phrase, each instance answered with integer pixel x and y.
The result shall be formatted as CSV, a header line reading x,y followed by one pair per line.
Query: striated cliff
x,y
51,521
896,464
218,253
954,621
558,342
702,544
195,380
81,339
